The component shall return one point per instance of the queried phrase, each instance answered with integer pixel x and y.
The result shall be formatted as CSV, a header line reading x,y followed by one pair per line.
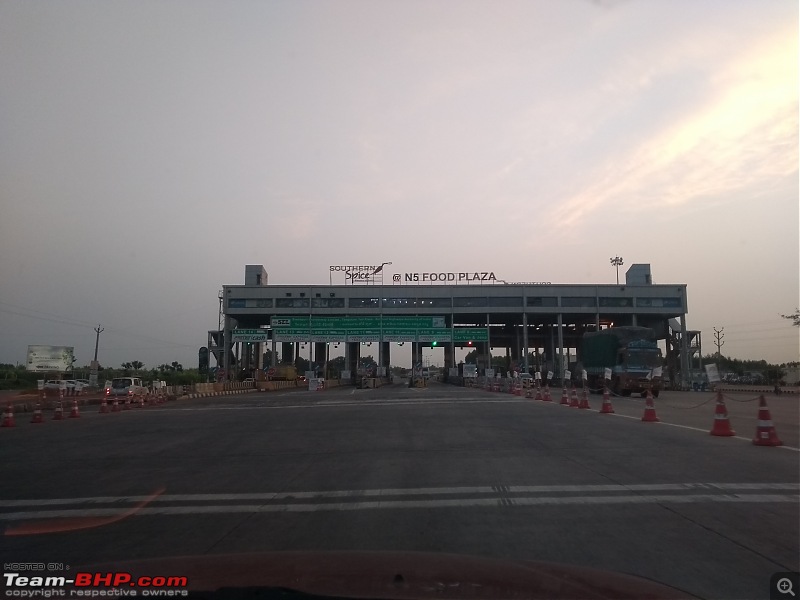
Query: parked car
x,y
55,384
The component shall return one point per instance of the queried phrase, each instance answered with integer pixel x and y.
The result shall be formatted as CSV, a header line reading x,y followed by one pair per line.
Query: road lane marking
x,y
392,492
503,501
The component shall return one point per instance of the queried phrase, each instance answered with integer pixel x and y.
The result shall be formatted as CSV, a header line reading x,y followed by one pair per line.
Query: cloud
x,y
743,136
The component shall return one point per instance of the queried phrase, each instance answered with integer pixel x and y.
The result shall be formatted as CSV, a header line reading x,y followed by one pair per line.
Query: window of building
x,y
398,302
364,303
237,303
542,301
505,300
659,302
578,301
328,302
616,302
434,302
292,303
469,301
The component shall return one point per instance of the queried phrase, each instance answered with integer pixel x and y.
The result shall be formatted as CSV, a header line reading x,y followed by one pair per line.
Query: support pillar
x,y
561,367
385,357
525,365
353,354
226,336
685,374
287,352
449,355
319,355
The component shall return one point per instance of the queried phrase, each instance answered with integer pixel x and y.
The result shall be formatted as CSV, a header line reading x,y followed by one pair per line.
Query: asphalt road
x,y
441,469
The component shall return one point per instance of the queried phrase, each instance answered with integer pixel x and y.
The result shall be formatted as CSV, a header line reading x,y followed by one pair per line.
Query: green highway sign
x,y
373,329
470,334
248,335
321,322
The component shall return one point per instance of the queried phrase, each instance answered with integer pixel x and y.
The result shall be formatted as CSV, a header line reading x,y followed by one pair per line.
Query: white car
x,y
55,384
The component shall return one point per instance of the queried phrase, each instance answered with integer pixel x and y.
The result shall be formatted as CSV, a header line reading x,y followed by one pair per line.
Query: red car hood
x,y
411,575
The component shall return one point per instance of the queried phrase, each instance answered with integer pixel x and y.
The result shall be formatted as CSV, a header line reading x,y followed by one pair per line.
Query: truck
x,y
630,352
284,372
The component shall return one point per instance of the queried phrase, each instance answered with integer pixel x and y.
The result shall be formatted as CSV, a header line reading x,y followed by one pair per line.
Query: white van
x,y
125,386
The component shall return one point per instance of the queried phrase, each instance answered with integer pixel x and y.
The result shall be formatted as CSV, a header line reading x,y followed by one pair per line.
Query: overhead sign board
x,y
49,358
248,335
369,329
470,334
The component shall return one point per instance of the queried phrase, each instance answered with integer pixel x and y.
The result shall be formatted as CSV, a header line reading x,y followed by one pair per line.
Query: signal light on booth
x,y
469,343
433,344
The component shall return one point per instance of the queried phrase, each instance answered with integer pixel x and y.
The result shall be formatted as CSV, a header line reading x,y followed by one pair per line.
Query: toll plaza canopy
x,y
532,323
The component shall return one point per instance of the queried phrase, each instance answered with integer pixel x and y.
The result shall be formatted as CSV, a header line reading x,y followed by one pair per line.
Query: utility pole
x,y
718,335
617,262
98,330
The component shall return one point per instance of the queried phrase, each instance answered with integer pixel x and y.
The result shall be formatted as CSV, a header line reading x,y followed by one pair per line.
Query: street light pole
x,y
617,262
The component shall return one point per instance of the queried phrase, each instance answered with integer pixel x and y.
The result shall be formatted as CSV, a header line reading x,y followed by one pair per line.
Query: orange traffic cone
x,y
765,431
538,395
58,414
8,417
606,409
37,414
141,402
564,397
74,413
103,407
722,425
115,406
649,415
547,396
573,402
126,404
584,403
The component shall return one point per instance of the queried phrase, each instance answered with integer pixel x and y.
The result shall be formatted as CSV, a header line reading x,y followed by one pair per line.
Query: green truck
x,y
630,352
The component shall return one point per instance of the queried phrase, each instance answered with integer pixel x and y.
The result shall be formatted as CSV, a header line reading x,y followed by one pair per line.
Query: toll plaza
x,y
536,324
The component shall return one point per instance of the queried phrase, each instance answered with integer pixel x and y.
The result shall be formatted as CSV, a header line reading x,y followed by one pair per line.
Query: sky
x,y
151,149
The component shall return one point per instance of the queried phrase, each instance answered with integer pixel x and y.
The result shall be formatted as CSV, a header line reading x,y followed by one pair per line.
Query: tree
x,y
176,366
301,364
136,365
794,318
268,359
336,366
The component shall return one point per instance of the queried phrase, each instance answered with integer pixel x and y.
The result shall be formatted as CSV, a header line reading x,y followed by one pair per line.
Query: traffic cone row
x,y
58,414
74,413
8,417
103,406
584,403
606,409
649,415
564,397
765,430
722,425
573,402
37,414
547,396
538,395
